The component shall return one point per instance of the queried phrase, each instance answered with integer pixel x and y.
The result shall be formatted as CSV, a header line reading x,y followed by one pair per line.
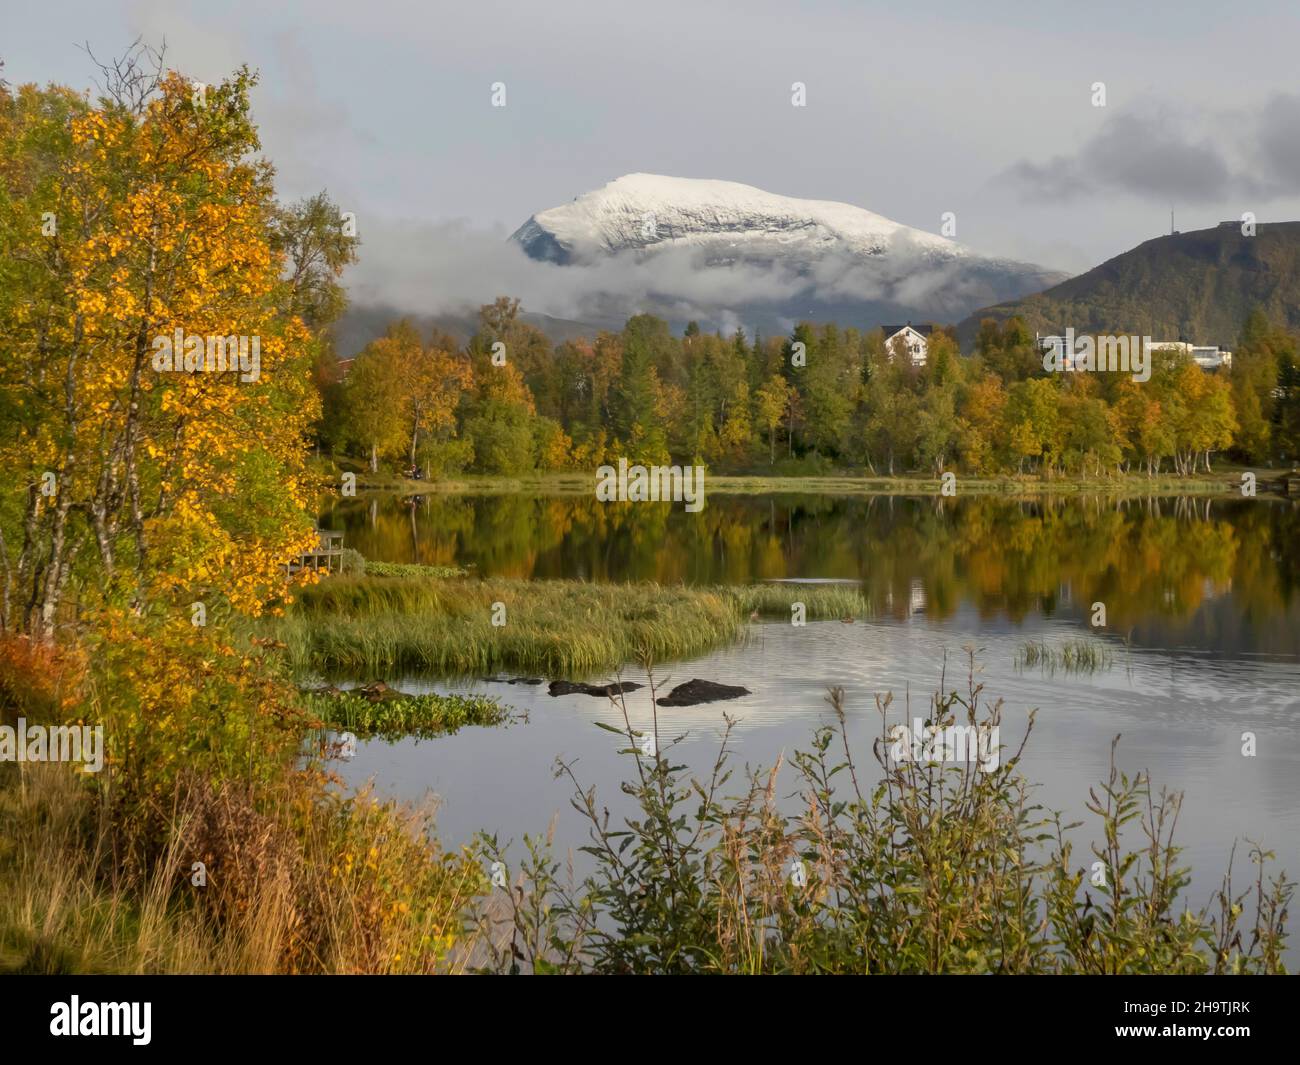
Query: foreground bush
x,y
932,868
201,847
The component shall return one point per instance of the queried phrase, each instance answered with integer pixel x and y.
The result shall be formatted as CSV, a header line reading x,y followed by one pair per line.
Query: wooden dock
x,y
329,549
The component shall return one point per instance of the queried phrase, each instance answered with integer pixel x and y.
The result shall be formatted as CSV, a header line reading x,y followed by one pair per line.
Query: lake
x,y
1202,635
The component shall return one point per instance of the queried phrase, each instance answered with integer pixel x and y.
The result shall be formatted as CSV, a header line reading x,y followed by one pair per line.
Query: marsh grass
x,y
375,626
823,601
1069,656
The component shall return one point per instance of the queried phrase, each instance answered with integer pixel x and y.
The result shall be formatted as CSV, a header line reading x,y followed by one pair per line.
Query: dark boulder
x,y
571,687
697,691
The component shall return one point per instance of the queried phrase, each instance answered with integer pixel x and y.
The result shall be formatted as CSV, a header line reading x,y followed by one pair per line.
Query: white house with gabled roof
x,y
915,340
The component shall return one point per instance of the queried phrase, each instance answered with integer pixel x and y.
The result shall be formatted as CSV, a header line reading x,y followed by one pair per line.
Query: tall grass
x,y
98,871
821,600
58,914
1069,656
411,569
924,868
295,881
368,626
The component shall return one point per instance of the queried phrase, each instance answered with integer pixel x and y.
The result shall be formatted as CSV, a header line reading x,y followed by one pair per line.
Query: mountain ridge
x,y
1199,285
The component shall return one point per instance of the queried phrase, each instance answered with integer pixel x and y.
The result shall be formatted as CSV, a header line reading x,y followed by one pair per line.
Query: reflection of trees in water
x,y
1156,563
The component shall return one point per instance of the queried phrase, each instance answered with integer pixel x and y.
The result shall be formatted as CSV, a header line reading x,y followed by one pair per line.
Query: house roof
x,y
893,330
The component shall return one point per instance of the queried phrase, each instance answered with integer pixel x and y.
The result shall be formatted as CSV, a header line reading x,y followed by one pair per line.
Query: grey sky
x,y
983,109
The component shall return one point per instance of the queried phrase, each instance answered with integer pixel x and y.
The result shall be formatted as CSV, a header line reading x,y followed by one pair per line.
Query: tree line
x,y
824,397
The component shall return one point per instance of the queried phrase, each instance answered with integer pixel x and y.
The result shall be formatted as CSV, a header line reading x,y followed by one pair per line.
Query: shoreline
x,y
1269,483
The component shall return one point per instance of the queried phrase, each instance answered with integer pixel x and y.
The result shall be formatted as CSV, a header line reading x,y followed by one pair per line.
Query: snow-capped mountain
x,y
645,211
790,258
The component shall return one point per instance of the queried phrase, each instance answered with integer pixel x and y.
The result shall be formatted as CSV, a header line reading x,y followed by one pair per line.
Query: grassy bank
x,y
201,845
1226,479
381,626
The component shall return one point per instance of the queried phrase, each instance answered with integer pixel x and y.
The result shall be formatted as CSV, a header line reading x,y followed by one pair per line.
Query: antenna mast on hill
x,y
1172,230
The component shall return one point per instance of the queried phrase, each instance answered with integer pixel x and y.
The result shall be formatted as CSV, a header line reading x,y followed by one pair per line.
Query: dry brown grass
x,y
302,880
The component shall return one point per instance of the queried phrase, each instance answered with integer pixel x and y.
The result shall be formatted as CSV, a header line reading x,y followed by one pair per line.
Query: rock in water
x,y
570,687
701,691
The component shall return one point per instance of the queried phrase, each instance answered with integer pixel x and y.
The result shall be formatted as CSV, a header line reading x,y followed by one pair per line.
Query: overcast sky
x,y
912,109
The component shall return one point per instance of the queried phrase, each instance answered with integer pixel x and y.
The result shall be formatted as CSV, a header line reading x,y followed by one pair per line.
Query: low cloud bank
x,y
433,268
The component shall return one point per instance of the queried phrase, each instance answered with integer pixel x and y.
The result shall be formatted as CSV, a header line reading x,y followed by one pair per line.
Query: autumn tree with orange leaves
x,y
126,222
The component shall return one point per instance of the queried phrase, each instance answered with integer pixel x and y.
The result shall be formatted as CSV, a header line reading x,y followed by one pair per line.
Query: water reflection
x,y
1212,575
1181,716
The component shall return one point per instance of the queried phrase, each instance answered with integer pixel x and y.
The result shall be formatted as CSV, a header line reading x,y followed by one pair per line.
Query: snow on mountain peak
x,y
720,251
725,220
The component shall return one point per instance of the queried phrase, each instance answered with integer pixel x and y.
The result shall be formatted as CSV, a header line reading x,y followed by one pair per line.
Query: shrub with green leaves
x,y
923,867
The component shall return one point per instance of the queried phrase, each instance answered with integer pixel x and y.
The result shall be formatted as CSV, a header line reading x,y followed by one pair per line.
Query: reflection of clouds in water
x,y
1180,716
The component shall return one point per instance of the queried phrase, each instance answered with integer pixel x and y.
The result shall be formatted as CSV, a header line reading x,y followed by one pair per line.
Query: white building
x,y
1211,358
1206,356
915,339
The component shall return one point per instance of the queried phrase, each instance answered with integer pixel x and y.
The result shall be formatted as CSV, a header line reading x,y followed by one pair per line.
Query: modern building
x,y
1206,356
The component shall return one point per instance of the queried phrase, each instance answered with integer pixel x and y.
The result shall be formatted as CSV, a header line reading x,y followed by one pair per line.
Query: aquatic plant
x,y
1070,656
421,716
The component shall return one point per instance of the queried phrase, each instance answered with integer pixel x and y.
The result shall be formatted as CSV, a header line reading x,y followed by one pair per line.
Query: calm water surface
x,y
1203,627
